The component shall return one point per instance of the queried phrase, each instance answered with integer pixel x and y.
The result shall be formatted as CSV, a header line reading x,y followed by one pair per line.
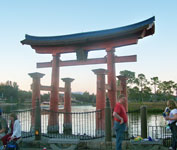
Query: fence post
x,y
143,113
108,125
37,121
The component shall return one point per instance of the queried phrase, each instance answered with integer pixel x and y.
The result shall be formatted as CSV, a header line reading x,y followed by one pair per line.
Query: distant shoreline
x,y
151,106
7,104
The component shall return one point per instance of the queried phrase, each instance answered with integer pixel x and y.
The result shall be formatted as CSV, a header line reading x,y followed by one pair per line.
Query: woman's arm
x,y
118,117
16,129
171,118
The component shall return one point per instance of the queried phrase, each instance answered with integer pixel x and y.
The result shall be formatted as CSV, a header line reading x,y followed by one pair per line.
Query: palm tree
x,y
155,81
129,75
15,85
147,93
142,82
170,87
166,88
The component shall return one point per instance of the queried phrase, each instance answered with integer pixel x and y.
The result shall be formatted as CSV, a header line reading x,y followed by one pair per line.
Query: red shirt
x,y
120,110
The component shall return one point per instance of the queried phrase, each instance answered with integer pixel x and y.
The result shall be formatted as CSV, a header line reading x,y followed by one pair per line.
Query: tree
x,y
15,85
141,81
133,93
85,97
166,88
130,80
129,74
146,94
10,91
45,97
77,96
155,82
92,98
22,95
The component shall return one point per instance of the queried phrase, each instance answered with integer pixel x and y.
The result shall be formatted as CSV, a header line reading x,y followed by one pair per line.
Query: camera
x,y
166,112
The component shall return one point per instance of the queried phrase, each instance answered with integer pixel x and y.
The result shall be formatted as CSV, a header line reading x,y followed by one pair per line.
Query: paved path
x,y
33,149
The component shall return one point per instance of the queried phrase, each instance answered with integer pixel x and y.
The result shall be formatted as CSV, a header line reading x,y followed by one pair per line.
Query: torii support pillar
x,y
53,125
112,91
100,99
67,126
35,93
123,83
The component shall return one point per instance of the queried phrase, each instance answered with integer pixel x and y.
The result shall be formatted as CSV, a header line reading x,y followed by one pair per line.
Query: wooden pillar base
x,y
53,129
67,128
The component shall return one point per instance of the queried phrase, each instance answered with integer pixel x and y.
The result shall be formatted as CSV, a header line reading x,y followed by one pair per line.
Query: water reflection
x,y
156,120
8,108
134,121
152,119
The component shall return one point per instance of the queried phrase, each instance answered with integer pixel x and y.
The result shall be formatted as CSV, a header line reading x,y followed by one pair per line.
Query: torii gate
x,y
81,44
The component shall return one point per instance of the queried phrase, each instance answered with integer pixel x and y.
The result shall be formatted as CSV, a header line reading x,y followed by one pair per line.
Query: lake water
x,y
152,119
134,122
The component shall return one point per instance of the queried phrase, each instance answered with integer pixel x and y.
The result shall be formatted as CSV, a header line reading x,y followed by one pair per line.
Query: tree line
x,y
10,92
139,88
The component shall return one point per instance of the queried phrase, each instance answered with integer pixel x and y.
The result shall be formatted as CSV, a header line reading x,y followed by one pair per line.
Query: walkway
x,y
97,144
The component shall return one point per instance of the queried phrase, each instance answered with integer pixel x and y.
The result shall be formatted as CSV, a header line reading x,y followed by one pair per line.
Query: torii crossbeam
x,y
119,59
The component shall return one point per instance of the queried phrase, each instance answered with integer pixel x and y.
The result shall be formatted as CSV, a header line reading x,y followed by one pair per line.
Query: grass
x,y
154,107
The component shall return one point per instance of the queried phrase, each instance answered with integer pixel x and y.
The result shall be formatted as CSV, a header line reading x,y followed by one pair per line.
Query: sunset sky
x,y
156,55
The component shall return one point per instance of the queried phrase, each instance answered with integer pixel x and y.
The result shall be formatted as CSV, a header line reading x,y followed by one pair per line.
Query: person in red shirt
x,y
120,121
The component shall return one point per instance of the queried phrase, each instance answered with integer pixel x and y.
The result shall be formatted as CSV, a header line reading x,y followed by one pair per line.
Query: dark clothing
x,y
173,128
7,137
3,124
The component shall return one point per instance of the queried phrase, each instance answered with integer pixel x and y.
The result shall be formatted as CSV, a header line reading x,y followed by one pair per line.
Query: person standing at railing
x,y
120,121
172,121
14,132
3,125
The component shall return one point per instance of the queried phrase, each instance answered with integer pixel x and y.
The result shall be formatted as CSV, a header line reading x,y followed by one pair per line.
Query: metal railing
x,y
83,125
24,116
88,125
155,130
160,133
134,124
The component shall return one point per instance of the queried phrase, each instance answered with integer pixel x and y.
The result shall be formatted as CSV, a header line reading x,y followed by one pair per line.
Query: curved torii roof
x,y
139,30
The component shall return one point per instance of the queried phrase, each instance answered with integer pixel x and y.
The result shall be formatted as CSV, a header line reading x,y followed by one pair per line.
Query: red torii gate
x,y
82,43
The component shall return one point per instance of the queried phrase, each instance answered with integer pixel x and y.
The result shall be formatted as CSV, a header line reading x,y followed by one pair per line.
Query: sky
x,y
156,55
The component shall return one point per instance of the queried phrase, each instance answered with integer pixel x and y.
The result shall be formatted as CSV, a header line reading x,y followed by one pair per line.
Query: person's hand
x,y
11,138
121,121
167,118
